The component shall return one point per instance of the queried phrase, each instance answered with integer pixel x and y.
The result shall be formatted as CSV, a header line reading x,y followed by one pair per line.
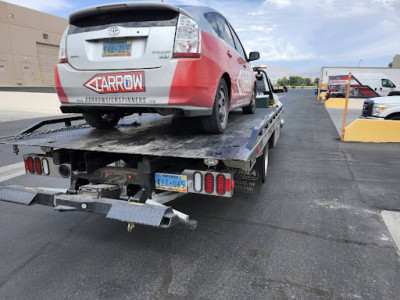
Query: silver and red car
x,y
127,58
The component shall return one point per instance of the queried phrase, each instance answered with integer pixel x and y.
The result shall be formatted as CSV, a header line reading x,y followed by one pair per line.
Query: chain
x,y
79,126
36,133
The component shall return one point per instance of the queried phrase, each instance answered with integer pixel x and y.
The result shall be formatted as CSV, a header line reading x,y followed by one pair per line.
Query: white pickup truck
x,y
382,107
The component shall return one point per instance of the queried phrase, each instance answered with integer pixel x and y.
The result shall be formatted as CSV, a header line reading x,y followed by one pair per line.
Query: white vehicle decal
x,y
117,83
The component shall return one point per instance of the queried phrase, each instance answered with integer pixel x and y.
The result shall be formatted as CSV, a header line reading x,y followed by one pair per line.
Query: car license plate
x,y
117,48
171,182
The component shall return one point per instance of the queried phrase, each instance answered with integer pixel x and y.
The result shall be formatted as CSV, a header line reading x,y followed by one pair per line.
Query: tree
x,y
390,65
316,81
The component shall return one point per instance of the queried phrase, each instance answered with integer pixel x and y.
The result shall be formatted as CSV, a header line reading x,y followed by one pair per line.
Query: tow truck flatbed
x,y
155,135
129,173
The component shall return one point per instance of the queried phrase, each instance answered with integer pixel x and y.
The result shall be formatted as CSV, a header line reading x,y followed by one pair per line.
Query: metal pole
x,y
345,107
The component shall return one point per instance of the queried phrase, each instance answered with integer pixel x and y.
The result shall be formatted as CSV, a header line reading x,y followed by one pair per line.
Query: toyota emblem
x,y
113,30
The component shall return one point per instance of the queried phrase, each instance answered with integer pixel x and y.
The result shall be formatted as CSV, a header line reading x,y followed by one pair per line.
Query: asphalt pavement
x,y
315,231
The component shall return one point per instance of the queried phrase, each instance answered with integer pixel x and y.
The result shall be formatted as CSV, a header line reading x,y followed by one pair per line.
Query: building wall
x,y
396,61
23,45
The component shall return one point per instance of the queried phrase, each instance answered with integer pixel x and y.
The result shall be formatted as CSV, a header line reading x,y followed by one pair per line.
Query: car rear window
x,y
126,18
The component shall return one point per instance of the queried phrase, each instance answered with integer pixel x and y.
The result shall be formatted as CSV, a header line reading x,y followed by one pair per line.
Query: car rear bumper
x,y
176,85
188,111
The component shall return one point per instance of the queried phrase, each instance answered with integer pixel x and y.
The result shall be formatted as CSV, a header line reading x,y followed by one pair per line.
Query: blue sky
x,y
297,34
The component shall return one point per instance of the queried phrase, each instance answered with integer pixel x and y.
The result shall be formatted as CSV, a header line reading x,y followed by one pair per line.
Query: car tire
x,y
395,93
394,117
251,108
264,158
217,122
101,120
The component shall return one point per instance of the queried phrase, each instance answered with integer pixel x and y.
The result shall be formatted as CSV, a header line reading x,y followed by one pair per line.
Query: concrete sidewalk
x,y
336,115
16,105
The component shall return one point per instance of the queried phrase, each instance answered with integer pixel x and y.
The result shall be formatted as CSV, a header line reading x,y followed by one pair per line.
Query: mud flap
x,y
249,181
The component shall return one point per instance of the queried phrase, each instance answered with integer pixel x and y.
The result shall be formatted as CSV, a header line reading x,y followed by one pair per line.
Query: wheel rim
x,y
222,107
108,117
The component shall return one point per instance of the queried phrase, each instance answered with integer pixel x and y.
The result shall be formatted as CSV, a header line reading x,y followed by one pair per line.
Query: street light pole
x,y
359,63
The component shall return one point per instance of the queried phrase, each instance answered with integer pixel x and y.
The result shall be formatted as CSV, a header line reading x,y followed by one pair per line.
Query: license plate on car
x,y
171,182
117,48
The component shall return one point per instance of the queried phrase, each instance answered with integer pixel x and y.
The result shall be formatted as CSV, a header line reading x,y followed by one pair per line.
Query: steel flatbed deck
x,y
154,135
130,172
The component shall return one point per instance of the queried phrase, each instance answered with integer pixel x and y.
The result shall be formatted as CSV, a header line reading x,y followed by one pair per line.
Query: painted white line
x,y
392,221
12,171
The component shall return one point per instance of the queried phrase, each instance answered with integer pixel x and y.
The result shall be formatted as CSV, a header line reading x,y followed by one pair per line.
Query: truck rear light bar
x,y
210,182
40,164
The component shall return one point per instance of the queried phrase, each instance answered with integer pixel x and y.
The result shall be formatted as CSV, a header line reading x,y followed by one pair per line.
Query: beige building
x,y
29,42
396,61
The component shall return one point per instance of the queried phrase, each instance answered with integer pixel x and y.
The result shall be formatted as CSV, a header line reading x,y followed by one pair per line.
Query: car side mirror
x,y
254,56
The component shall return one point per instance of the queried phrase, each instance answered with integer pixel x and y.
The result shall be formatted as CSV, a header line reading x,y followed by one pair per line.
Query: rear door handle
x,y
229,53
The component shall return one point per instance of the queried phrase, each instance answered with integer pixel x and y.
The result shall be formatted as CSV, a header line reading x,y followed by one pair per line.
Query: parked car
x,y
127,58
382,107
361,86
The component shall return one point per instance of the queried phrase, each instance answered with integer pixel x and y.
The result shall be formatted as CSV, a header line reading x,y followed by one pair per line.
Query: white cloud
x,y
41,5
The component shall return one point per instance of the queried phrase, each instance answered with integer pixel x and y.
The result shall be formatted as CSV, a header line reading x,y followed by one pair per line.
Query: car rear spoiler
x,y
120,7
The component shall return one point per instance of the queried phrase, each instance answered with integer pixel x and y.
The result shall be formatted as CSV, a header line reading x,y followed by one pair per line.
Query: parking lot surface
x,y
314,231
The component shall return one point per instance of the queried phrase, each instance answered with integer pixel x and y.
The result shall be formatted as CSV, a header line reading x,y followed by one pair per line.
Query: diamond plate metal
x,y
17,195
137,213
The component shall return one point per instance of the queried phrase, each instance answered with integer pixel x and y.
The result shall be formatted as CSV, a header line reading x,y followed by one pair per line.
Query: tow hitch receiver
x,y
157,214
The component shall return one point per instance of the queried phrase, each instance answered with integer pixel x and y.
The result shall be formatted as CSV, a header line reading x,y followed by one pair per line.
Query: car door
x,y
387,86
241,71
246,82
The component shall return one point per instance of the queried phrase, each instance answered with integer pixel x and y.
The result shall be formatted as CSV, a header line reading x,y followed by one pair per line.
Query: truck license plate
x,y
117,48
171,182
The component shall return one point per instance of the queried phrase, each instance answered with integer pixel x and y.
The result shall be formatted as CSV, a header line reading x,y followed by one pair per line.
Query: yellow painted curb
x,y
335,102
373,131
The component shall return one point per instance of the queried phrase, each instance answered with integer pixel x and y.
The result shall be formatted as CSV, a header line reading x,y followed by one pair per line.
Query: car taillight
x,y
209,183
46,168
187,39
38,165
31,167
62,53
220,184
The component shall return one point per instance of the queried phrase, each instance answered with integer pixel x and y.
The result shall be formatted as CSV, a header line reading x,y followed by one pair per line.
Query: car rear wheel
x,y
251,108
216,123
101,120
